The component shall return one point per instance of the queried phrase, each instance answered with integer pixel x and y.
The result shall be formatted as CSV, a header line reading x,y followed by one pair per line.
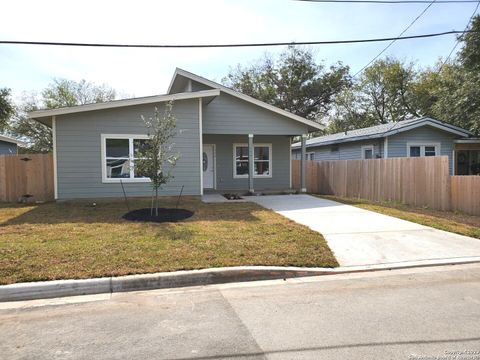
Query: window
x,y
417,150
118,157
367,152
262,160
310,156
334,148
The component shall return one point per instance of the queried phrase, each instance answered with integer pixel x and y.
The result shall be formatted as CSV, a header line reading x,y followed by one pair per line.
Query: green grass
x,y
458,223
77,240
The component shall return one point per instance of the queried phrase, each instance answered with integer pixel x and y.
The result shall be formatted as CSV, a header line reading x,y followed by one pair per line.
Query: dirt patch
x,y
164,215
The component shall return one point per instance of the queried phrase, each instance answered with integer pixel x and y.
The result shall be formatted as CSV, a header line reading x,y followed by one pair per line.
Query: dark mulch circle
x,y
164,215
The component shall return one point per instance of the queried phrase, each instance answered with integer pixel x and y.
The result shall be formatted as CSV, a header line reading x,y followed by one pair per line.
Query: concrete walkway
x,y
362,237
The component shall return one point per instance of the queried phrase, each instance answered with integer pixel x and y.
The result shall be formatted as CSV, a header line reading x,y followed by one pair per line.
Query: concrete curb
x,y
61,288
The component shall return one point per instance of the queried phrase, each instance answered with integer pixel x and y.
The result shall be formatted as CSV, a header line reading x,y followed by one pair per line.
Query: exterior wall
x,y
397,144
78,140
7,148
346,151
227,114
224,162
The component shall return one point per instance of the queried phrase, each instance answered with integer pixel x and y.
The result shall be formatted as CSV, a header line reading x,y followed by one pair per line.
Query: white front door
x,y
208,166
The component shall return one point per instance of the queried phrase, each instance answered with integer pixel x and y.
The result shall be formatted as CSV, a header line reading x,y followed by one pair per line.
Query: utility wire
x,y
391,2
293,43
458,40
393,41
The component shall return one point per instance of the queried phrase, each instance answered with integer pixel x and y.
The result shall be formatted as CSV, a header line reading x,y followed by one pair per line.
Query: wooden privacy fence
x,y
28,176
422,181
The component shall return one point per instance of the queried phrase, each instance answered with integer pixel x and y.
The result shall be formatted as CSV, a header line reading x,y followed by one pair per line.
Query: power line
x,y
393,41
292,43
391,1
458,40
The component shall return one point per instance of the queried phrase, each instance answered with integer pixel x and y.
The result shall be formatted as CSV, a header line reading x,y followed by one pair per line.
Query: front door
x,y
208,166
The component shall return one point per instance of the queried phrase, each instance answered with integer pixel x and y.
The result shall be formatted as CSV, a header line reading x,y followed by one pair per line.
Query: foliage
x,y
156,159
293,82
60,93
469,55
7,109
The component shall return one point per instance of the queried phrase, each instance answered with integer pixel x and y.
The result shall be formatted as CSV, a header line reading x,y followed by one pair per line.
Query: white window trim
x,y
130,137
422,146
307,155
270,162
368,147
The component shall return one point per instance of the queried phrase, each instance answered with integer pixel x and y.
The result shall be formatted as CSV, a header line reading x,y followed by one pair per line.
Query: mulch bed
x,y
164,215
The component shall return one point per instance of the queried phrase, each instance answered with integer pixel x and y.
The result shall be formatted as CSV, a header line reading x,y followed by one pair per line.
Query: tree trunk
x,y
156,201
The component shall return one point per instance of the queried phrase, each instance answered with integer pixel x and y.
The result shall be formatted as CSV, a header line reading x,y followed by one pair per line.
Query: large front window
x,y
119,155
262,160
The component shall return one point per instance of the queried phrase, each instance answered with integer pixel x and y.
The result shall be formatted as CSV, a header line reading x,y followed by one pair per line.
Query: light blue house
x,y
227,141
408,138
9,145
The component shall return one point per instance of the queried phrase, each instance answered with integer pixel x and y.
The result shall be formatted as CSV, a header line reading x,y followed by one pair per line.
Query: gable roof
x,y
11,140
383,130
214,85
39,114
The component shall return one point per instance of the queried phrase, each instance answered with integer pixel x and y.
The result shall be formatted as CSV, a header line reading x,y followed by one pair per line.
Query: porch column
x,y
303,187
250,163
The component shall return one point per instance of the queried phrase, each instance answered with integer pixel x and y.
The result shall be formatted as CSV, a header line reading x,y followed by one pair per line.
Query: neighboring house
x,y
408,138
227,141
9,145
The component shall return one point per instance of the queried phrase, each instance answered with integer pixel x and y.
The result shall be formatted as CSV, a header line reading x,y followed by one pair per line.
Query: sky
x,y
142,72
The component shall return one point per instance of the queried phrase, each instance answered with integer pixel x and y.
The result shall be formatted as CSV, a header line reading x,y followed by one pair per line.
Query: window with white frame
x,y
310,156
262,160
417,150
367,152
119,153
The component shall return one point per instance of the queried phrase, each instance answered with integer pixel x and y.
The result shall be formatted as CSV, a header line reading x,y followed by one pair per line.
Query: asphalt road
x,y
403,314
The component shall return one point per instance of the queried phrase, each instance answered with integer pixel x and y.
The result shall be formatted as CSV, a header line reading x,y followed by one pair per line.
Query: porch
x,y
467,157
246,163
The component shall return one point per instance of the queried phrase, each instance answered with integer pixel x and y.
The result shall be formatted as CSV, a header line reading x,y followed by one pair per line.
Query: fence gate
x,y
28,176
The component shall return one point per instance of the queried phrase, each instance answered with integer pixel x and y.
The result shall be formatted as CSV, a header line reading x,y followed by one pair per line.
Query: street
x,y
401,314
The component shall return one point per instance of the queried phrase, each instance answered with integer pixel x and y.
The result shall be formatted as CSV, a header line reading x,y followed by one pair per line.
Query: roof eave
x,y
41,114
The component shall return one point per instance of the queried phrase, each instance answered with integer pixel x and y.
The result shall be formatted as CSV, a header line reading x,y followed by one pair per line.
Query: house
x,y
409,138
9,145
227,141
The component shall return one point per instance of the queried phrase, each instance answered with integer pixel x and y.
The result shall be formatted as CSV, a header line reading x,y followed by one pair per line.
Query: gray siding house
x,y
408,138
227,141
8,145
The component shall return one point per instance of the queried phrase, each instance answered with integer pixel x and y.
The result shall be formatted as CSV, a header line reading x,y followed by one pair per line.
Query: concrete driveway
x,y
362,237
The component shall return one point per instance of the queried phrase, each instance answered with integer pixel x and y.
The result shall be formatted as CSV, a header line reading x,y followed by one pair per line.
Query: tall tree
x,y
451,91
469,55
7,109
60,93
293,81
383,93
385,90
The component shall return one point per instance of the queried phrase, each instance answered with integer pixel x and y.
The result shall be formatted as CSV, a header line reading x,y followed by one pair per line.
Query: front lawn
x,y
78,240
458,223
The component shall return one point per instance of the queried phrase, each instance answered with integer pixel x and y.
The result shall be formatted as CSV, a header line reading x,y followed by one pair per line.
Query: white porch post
x,y
303,187
250,163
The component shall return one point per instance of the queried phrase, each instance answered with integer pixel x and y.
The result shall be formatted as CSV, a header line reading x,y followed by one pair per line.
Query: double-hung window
x,y
417,150
262,160
118,158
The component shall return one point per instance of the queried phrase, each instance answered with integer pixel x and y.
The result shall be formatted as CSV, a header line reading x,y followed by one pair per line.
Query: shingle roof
x,y
379,131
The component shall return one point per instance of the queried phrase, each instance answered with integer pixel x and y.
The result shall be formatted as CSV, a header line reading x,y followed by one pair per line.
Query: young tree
x,y
156,159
